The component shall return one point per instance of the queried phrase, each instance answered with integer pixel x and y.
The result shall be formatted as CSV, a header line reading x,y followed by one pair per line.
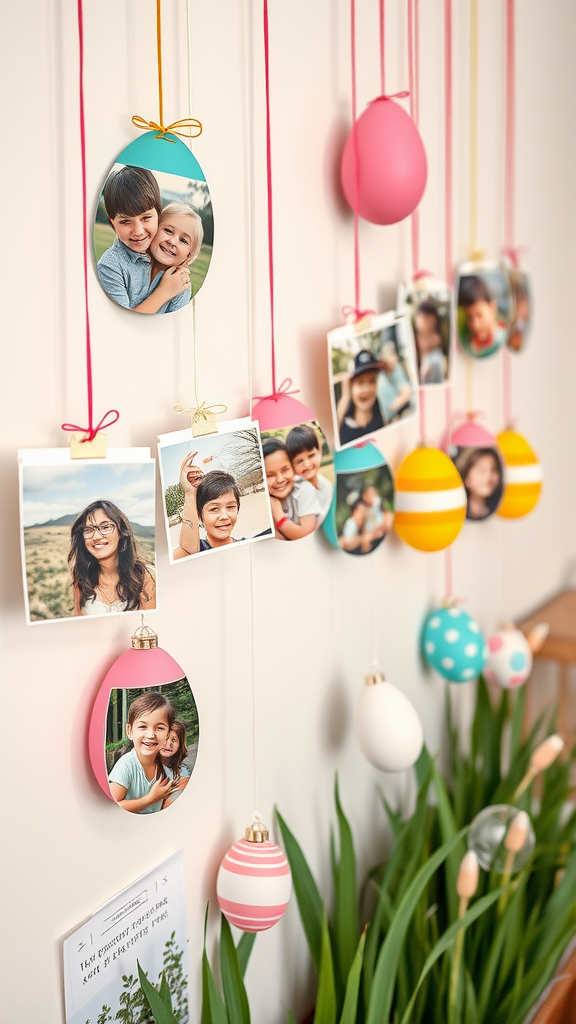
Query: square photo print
x,y
213,489
88,533
153,236
299,470
484,308
427,306
373,377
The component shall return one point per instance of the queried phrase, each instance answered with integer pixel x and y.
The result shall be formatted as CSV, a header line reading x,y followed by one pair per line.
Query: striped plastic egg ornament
x,y
522,476
430,500
254,881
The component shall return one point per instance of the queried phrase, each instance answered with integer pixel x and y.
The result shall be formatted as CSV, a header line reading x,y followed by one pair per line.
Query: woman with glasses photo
x,y
107,573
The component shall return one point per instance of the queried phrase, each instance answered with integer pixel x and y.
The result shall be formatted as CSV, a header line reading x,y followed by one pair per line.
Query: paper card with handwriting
x,y
145,922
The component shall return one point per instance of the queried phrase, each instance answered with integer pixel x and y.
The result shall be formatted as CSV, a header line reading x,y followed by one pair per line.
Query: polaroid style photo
x,y
521,321
373,377
153,236
484,308
88,533
213,489
427,305
299,467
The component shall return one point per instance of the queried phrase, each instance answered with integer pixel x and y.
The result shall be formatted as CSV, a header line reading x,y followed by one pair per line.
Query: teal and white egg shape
x,y
453,645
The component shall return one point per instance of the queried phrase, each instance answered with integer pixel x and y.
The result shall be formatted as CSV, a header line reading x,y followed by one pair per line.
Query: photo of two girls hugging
x,y
145,265
151,745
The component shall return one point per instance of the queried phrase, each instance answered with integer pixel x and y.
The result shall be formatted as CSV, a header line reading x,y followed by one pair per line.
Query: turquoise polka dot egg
x,y
453,644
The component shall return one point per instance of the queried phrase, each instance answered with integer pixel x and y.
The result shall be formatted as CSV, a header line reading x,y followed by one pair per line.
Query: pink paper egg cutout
x,y
384,167
509,660
471,434
254,881
298,464
144,727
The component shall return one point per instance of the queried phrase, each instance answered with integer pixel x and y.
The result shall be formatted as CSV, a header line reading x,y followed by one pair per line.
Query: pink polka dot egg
x,y
254,881
510,658
453,644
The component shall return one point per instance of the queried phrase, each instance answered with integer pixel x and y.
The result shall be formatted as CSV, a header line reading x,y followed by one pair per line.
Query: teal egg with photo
x,y
153,231
453,645
362,511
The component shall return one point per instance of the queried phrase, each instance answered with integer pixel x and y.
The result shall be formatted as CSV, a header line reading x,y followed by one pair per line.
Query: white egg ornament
x,y
388,729
453,644
254,881
510,659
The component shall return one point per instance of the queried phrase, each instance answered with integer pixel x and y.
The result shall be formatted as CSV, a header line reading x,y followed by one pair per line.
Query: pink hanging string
x,y
275,393
112,415
509,174
382,35
449,264
358,312
414,89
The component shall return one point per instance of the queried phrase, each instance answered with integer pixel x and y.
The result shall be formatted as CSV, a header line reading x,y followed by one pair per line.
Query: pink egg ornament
x,y
510,658
254,881
384,168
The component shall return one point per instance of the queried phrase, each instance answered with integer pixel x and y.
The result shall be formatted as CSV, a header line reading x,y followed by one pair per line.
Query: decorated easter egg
x,y
510,658
522,475
154,228
254,881
388,729
453,644
488,836
484,307
362,509
143,735
430,500
476,457
298,462
384,167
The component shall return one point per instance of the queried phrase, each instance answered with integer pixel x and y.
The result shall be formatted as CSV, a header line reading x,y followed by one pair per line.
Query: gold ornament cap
x,y
374,677
257,832
144,638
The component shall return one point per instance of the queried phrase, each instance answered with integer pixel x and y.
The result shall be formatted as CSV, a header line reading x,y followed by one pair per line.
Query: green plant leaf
x,y
559,911
517,723
235,998
387,963
164,992
308,898
350,1008
346,926
213,1009
325,1012
488,990
478,908
161,1013
244,949
394,817
448,830
533,984
470,1003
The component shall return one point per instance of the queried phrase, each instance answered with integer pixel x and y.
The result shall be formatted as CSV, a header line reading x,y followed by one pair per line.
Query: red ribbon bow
x,y
92,431
356,313
279,392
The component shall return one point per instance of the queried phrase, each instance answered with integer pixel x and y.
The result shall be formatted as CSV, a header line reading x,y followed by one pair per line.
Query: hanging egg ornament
x,y
154,214
522,475
146,700
362,510
475,453
487,837
453,644
298,463
388,729
510,658
430,500
384,168
254,881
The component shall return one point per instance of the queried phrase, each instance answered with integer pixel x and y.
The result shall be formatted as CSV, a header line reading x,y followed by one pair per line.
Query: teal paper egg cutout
x,y
453,645
167,225
353,468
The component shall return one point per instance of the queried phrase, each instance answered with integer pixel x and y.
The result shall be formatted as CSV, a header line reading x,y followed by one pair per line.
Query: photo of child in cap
x,y
427,306
299,470
364,509
373,377
153,236
484,309
482,475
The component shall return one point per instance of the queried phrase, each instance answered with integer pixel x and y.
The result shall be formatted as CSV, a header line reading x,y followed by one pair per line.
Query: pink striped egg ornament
x,y
254,881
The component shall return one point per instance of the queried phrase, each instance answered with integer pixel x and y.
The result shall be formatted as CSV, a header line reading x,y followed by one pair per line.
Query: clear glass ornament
x,y
487,834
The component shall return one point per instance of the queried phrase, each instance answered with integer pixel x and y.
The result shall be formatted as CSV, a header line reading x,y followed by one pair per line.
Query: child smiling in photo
x,y
139,782
172,756
294,502
485,332
305,451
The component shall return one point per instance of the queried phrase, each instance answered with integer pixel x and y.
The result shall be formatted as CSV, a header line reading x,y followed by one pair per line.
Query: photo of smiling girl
x,y
214,492
173,755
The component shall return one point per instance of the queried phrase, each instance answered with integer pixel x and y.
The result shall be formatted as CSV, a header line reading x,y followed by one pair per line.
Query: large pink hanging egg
x,y
384,166
254,881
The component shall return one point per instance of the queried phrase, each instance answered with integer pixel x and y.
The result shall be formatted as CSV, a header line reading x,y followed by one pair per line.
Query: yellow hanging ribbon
x,y
194,127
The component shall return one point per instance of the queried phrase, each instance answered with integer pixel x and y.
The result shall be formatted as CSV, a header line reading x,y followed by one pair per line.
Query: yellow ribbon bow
x,y
194,127
203,420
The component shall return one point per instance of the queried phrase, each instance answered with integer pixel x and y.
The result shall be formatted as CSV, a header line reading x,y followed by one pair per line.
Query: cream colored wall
x,y
67,848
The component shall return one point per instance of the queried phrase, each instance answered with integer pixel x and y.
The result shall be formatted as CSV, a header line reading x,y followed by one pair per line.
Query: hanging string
x,y
358,312
509,176
473,135
253,675
112,415
188,127
375,581
414,88
448,227
382,35
274,394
